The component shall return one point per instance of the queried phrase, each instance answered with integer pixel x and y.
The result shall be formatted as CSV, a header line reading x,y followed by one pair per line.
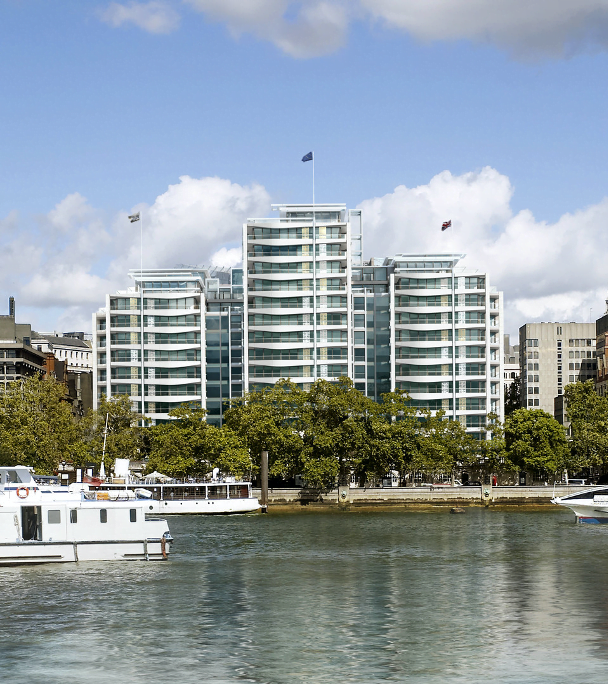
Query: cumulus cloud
x,y
62,264
548,271
301,29
190,221
227,257
309,28
552,27
154,17
65,262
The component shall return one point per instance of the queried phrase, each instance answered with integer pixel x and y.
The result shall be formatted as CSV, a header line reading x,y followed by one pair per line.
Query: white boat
x,y
589,506
215,497
39,526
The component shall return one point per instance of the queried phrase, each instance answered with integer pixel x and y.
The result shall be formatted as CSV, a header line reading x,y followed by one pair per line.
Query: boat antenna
x,y
102,470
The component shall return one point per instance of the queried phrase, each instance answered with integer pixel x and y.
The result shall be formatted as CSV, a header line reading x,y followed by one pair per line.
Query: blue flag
x,y
307,157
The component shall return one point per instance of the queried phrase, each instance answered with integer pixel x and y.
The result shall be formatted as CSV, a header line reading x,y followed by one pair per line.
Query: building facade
x,y
511,362
601,350
173,338
306,306
552,355
18,358
72,348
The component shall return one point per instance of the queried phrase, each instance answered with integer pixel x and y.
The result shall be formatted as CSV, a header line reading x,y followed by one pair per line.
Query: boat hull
x,y
202,506
36,552
589,506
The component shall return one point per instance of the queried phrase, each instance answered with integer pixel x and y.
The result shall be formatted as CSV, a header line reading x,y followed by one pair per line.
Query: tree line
x,y
326,435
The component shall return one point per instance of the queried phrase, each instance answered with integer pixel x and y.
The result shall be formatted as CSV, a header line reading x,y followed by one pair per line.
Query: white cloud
x,y
63,264
154,17
227,257
190,221
308,28
553,27
69,259
548,271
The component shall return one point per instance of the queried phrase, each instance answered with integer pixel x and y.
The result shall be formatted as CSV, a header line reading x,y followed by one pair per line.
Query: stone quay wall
x,y
416,496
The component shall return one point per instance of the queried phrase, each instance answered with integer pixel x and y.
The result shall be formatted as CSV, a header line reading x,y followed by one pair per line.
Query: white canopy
x,y
157,476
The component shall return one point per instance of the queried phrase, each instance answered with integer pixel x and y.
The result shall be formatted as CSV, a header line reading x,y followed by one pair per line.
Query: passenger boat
x,y
589,506
39,526
215,497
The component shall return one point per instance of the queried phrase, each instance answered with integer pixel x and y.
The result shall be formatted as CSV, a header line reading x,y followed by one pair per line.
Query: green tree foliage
x,y
125,437
188,446
270,420
37,428
513,396
536,441
588,416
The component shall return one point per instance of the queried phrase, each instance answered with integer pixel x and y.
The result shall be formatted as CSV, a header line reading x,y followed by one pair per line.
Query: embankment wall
x,y
416,496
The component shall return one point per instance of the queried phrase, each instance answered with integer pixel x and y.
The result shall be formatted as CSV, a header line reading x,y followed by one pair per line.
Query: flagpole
x,y
314,274
141,295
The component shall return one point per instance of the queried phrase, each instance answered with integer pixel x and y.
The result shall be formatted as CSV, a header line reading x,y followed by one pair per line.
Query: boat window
x,y
581,495
13,476
73,515
133,514
103,515
217,492
54,517
239,491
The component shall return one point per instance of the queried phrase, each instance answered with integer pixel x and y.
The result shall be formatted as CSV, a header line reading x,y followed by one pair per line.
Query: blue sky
x,y
103,105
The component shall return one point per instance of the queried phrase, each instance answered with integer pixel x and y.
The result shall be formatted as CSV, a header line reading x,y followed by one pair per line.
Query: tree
x,y
513,396
270,420
493,454
125,437
536,441
189,446
37,428
588,416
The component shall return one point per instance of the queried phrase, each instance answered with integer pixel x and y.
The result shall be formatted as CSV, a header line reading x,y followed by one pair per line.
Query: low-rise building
x,y
18,359
73,348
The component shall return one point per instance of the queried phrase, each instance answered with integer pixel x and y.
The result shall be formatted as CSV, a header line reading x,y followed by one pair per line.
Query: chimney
x,y
11,306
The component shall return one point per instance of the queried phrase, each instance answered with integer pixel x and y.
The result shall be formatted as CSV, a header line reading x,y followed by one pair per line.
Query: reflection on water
x,y
324,597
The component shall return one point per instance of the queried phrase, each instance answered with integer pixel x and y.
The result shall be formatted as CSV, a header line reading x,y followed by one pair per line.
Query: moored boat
x,y
37,526
207,498
589,506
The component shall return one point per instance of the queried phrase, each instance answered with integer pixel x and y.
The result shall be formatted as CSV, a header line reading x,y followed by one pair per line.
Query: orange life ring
x,y
20,491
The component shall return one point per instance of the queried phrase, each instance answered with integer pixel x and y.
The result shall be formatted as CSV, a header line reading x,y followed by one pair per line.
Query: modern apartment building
x,y
314,309
551,355
306,306
174,337
297,288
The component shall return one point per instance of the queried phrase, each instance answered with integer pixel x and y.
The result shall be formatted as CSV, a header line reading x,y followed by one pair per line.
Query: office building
x,y
552,355
18,359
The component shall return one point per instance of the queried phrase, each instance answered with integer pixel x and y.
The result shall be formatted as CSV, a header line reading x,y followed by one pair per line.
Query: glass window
x,y
133,514
73,515
54,517
103,515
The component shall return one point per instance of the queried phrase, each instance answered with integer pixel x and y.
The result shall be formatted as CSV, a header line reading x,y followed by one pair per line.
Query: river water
x,y
488,596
